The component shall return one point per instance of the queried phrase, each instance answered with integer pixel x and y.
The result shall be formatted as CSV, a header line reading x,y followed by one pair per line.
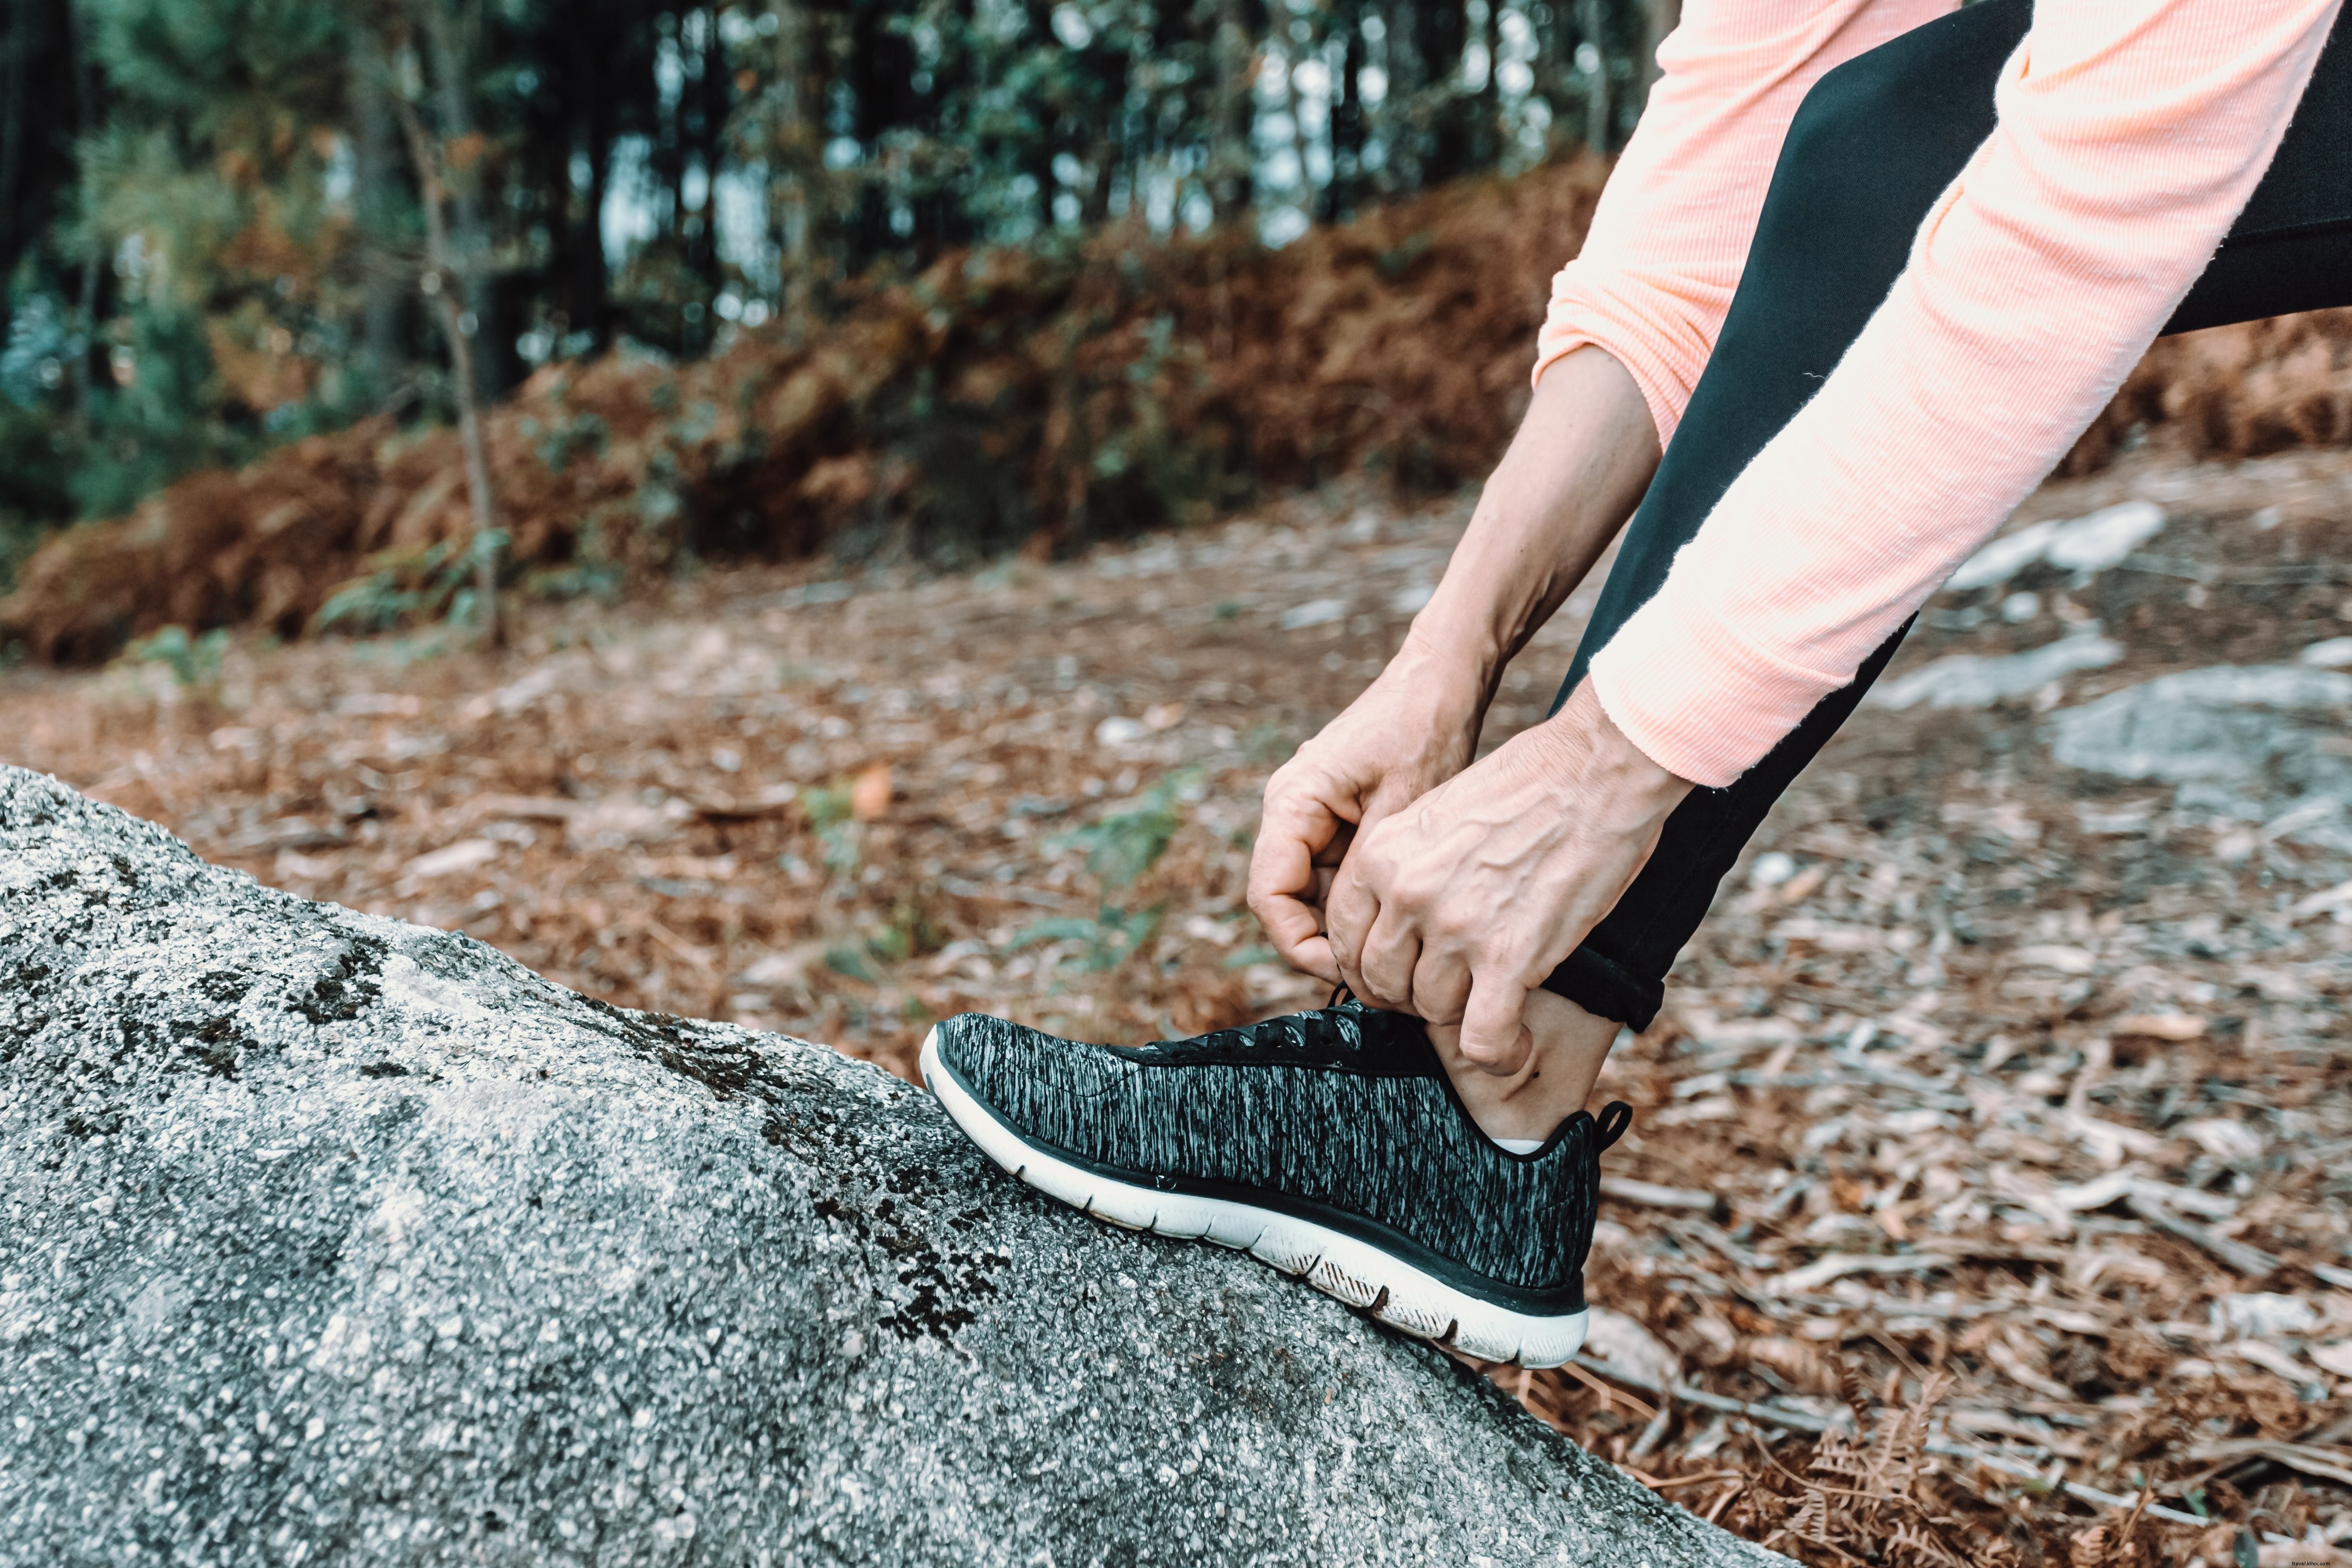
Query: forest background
x,y
216,236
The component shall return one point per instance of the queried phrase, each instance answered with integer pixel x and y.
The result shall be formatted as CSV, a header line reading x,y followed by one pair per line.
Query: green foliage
x,y
849,962
147,433
36,462
1107,940
229,71
1121,845
1268,743
407,586
561,440
193,661
907,932
838,833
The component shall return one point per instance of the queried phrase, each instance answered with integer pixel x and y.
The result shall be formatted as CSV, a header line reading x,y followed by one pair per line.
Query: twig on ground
x,y
1772,1415
2251,1261
1650,1195
2074,1489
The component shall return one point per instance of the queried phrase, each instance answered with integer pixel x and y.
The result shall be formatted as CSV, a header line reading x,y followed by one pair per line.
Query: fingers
x,y
1387,961
1284,881
1349,911
1441,984
1294,928
1388,937
1495,1034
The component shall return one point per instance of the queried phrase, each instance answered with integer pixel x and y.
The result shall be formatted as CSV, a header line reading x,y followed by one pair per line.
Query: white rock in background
x,y
1314,613
2105,538
617,822
1410,599
2003,559
1120,730
1976,680
2224,723
2087,544
2223,1138
2334,653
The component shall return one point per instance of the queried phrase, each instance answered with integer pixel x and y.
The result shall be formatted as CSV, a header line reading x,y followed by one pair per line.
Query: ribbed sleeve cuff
x,y
1699,702
1644,341
1664,397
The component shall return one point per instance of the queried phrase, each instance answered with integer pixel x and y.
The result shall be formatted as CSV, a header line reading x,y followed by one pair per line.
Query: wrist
x,y
1461,663
1583,745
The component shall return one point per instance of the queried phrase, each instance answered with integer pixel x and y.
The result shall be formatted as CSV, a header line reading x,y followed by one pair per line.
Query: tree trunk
x,y
452,29
18,28
1346,191
1233,116
1487,104
375,133
1440,32
597,93
881,68
44,72
795,159
1597,129
418,1257
441,282
1297,132
82,73
712,91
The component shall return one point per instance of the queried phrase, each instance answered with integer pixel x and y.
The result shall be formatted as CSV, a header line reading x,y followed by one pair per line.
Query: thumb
x,y
1495,1035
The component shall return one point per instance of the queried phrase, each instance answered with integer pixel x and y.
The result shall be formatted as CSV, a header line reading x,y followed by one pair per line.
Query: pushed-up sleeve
x,y
1667,241
2129,135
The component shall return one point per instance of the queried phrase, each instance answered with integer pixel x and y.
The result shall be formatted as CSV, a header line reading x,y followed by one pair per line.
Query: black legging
x,y
1876,141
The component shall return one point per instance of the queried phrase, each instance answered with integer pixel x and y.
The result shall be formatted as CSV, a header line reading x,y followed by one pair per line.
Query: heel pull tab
x,y
1610,1125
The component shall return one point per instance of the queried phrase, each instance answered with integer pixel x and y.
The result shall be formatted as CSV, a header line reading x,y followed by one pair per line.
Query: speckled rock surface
x,y
327,1238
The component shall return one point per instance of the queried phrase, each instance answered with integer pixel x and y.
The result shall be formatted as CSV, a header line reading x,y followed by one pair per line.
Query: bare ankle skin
x,y
1570,1044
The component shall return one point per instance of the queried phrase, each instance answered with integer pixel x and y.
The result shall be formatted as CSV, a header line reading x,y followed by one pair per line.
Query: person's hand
x,y
1454,908
1411,730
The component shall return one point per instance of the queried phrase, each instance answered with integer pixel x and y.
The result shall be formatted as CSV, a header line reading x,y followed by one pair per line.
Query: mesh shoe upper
x,y
1341,1113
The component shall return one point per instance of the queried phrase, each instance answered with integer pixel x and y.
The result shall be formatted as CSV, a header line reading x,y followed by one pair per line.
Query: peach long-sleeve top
x,y
2129,134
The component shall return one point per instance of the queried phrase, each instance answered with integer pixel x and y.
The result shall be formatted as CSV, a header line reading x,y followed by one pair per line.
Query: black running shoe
x,y
1328,1144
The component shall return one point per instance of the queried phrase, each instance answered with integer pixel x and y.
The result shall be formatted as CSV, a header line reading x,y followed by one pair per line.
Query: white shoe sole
x,y
1362,1276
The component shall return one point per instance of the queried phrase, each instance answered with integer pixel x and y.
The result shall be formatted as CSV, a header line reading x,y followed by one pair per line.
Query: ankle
x,y
1570,1045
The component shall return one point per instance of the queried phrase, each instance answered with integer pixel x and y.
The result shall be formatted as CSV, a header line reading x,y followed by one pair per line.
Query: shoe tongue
x,y
1519,1145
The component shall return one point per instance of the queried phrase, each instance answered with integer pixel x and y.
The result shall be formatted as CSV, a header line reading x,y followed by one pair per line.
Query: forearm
x,y
1575,471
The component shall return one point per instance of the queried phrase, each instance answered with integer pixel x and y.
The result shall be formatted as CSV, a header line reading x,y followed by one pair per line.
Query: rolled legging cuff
x,y
1606,988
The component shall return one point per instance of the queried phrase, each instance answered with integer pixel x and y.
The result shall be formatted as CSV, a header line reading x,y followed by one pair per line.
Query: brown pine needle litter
x,y
1984,1201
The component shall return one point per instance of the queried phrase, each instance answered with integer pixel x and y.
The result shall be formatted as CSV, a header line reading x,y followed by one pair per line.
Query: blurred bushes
x,y
211,239
1013,396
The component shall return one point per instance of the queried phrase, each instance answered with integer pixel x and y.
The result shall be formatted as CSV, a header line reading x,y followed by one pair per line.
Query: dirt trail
x,y
1984,1067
